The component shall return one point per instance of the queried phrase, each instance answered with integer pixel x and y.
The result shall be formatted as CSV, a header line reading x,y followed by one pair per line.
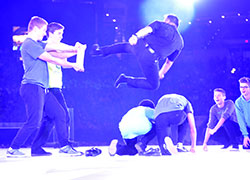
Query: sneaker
x,y
113,147
151,152
14,153
181,148
93,152
39,152
96,51
234,148
139,147
121,79
70,151
170,146
226,146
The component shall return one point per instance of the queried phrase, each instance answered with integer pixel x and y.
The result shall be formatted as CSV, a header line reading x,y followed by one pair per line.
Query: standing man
x,y
34,86
54,36
222,115
173,110
136,122
242,105
159,40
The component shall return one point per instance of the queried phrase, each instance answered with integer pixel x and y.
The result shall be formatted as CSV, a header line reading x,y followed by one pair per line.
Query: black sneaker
x,y
121,79
139,147
40,152
226,146
96,51
181,148
93,152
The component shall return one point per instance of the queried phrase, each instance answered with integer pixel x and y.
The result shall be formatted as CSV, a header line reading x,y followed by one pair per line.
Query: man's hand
x,y
246,141
161,75
205,147
212,131
77,67
133,40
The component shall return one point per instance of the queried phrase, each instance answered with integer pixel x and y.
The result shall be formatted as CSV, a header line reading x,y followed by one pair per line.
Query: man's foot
x,y
235,147
96,51
139,147
121,79
170,146
151,152
181,148
226,146
113,147
14,153
68,150
39,152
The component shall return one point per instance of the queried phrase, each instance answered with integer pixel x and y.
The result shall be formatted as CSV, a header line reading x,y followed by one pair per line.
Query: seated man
x,y
136,122
222,115
173,110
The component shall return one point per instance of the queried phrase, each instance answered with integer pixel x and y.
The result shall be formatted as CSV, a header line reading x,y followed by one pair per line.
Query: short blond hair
x,y
36,21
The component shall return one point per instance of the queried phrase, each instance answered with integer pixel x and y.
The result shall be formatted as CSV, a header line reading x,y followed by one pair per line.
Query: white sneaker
x,y
70,151
14,153
170,146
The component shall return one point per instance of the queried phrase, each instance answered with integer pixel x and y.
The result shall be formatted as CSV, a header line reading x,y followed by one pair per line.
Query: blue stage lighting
x,y
154,10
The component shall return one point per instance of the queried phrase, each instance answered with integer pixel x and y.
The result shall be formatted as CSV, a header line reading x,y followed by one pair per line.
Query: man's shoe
x,y
121,79
151,152
40,152
181,148
139,147
170,146
93,152
14,153
113,147
68,150
234,148
226,146
96,51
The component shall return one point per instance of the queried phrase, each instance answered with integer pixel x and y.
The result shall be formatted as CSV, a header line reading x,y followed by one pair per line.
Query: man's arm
x,y
218,125
62,62
165,67
61,47
207,136
193,133
140,34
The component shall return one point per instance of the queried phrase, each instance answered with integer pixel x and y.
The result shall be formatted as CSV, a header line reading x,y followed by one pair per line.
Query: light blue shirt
x,y
136,122
242,108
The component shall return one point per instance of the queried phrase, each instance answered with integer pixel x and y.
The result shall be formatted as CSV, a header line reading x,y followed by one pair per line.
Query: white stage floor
x,y
214,164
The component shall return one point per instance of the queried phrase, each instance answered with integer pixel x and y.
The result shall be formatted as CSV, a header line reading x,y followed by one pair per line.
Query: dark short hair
x,y
147,103
52,27
245,80
174,19
220,90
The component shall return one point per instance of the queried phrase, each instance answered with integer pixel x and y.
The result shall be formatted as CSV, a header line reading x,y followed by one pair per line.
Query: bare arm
x,y
207,136
165,67
62,55
61,47
62,62
218,125
193,132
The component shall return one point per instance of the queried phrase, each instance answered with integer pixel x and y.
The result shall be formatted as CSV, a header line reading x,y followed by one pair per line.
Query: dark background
x,y
210,53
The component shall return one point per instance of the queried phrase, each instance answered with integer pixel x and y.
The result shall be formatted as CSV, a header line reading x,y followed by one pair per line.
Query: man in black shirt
x,y
159,40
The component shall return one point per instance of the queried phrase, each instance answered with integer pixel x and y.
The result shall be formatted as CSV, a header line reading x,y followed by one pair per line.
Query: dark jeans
x,y
48,123
129,147
148,62
38,103
164,126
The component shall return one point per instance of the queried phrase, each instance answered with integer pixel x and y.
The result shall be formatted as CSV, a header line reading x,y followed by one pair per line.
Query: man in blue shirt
x,y
159,40
135,123
242,105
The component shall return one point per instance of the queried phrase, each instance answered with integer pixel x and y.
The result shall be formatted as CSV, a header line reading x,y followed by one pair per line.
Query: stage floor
x,y
214,164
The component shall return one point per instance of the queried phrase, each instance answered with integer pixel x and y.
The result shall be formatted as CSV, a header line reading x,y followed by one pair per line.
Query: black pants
x,y
38,103
129,147
148,62
48,123
164,126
